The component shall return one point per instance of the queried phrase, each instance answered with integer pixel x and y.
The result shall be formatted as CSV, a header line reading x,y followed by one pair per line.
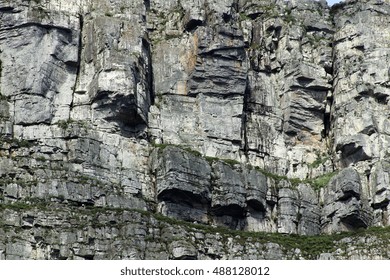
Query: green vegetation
x,y
26,204
64,124
321,159
172,36
4,98
320,11
322,180
174,15
244,16
311,246
276,177
187,149
40,158
211,159
23,143
20,143
162,146
230,161
14,206
288,17
193,152
225,160
20,182
317,183
178,10
316,40
271,10
255,46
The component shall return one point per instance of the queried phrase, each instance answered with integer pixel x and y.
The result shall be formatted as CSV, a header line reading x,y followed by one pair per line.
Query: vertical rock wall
x,y
264,116
359,117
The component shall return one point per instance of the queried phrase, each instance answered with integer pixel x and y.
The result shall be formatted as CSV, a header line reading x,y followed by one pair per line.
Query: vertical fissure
x,y
244,119
147,4
149,69
79,55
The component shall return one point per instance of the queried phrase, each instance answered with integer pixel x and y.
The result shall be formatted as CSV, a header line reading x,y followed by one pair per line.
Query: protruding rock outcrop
x,y
344,204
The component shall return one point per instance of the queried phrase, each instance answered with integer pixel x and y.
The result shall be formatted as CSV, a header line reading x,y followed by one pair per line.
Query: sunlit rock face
x,y
149,129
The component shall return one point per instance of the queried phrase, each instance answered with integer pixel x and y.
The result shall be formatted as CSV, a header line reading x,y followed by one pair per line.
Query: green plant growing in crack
x,y
4,98
64,124
15,142
321,159
289,18
322,181
316,183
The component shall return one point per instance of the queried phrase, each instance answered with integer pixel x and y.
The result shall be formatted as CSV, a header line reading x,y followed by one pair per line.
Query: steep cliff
x,y
200,129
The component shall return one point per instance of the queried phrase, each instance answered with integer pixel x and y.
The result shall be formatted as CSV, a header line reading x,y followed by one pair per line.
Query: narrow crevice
x,y
244,118
79,55
327,116
149,70
330,69
235,6
8,9
147,4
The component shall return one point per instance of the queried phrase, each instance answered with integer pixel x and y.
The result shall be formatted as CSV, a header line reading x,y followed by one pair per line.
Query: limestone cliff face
x,y
194,129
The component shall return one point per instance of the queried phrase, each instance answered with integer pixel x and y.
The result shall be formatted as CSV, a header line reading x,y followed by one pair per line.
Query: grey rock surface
x,y
194,129
344,203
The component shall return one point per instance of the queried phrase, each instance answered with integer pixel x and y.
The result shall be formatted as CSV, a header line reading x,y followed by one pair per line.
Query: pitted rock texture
x,y
65,232
125,124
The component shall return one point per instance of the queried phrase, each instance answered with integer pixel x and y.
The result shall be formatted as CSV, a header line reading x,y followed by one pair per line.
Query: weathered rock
x,y
309,211
119,89
361,88
228,195
256,189
344,206
182,171
288,84
220,62
288,211
257,103
104,234
183,184
39,63
182,250
379,181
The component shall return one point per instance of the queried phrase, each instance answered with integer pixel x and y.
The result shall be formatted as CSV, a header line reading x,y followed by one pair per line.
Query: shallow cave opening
x,y
256,205
232,210
353,222
226,17
182,197
192,25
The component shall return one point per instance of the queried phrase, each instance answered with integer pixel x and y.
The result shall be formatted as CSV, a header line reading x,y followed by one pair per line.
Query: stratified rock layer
x,y
125,124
